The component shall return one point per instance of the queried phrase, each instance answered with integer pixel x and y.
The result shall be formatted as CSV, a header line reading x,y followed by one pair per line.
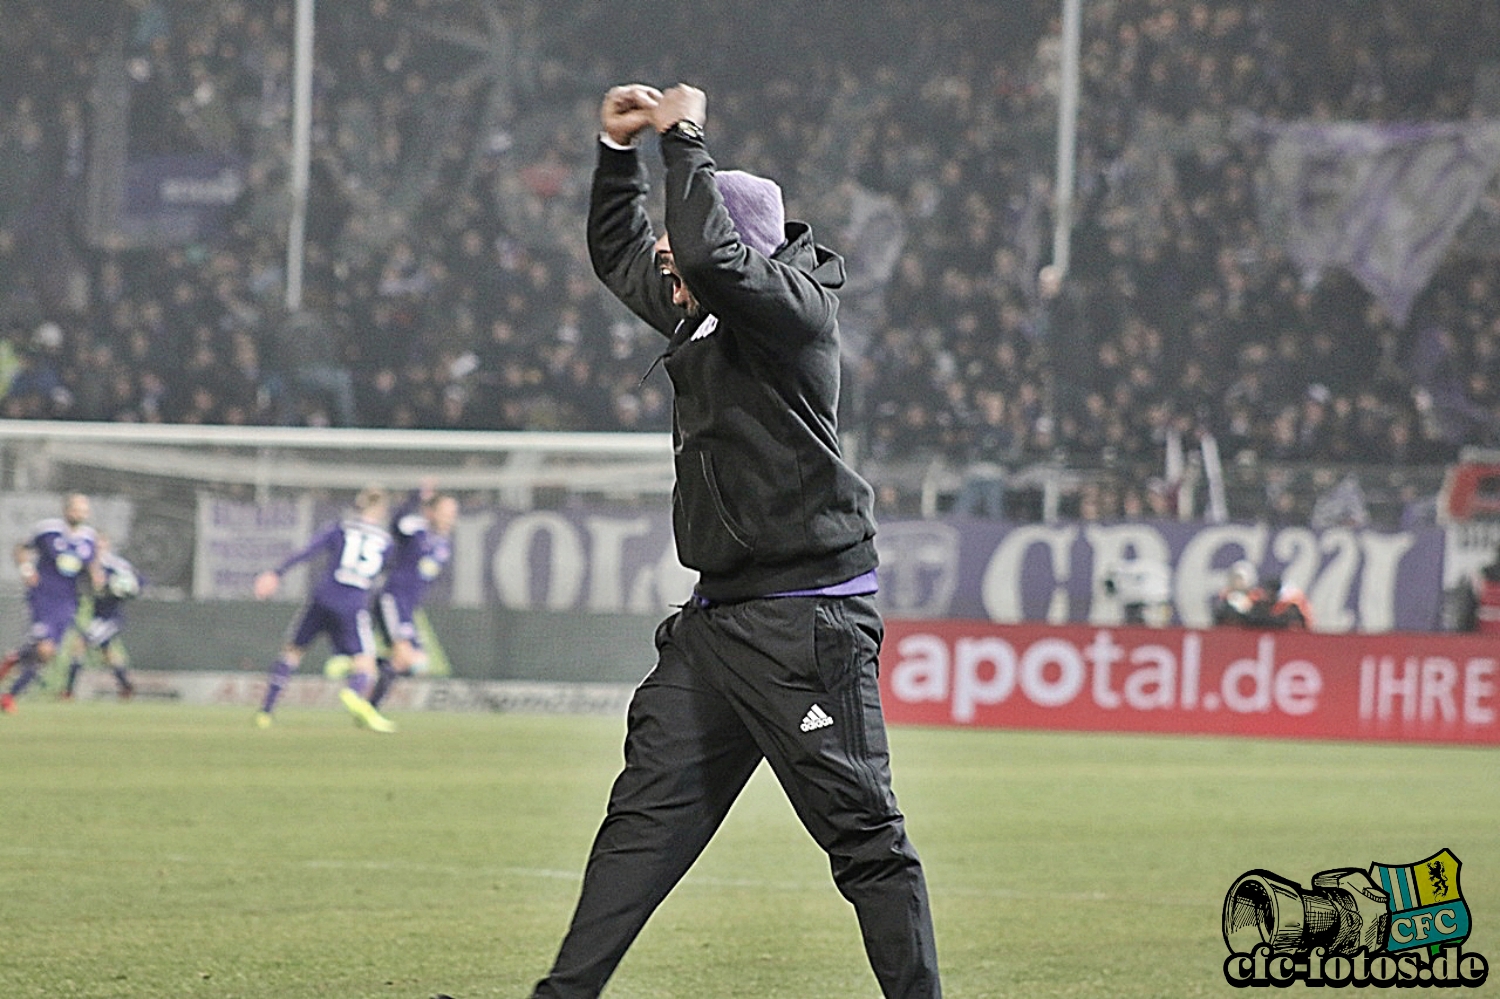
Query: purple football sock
x,y
280,674
359,683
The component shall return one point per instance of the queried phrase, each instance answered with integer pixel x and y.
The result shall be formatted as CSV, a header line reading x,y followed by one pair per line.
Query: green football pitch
x,y
159,850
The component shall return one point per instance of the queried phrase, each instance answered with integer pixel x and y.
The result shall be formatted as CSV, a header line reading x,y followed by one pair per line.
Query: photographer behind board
x,y
1143,586
1245,603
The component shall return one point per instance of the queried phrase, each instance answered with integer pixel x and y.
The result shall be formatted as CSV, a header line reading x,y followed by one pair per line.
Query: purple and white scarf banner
x,y
1383,201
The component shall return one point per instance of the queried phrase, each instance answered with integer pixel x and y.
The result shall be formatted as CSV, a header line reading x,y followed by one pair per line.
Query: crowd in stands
x,y
447,286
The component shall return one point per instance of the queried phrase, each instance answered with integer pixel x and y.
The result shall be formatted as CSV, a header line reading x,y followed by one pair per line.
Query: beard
x,y
690,307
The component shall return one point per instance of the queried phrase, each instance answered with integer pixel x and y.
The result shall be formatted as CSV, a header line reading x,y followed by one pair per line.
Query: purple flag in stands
x,y
1382,201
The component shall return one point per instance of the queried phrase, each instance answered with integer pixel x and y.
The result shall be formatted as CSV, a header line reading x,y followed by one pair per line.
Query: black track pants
x,y
791,680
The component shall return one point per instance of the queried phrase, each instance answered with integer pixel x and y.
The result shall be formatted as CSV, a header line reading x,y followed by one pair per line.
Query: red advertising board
x,y
1396,686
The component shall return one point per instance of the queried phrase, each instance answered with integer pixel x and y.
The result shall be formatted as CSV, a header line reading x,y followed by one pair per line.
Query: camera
x,y
1343,912
1144,589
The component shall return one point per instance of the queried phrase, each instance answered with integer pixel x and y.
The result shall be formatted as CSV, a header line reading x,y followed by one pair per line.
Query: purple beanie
x,y
754,206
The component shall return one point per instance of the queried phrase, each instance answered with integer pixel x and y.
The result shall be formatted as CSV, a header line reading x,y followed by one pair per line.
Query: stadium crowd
x,y
446,284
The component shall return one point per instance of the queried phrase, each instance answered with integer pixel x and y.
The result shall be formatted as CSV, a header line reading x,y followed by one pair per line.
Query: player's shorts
x,y
101,631
49,624
349,633
397,621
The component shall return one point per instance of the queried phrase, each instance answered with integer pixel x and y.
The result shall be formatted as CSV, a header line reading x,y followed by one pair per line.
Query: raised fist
x,y
626,110
679,103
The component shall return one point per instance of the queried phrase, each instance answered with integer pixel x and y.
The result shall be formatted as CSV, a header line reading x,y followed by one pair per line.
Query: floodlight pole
x,y
301,151
1067,129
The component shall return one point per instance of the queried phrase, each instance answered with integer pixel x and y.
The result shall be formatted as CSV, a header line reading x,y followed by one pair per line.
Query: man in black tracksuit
x,y
775,657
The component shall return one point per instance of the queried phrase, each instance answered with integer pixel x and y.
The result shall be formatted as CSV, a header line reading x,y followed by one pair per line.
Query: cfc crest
x,y
1425,902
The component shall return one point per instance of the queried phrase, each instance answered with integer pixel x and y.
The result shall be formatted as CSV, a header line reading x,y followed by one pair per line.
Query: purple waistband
x,y
860,586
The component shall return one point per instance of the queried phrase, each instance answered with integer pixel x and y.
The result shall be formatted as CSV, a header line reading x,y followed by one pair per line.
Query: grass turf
x,y
151,850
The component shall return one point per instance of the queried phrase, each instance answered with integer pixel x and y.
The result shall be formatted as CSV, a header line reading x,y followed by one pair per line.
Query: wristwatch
x,y
687,128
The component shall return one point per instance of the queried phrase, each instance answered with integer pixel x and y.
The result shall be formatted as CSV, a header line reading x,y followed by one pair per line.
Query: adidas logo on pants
x,y
816,718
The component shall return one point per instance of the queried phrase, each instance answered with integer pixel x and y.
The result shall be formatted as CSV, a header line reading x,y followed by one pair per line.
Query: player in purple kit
x,y
115,582
421,527
355,548
61,551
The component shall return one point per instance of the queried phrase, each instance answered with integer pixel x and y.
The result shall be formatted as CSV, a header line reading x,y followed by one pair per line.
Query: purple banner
x,y
1356,580
625,562
1382,201
177,199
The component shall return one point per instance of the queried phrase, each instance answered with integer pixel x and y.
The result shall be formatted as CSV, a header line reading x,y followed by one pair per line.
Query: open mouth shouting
x,y
681,296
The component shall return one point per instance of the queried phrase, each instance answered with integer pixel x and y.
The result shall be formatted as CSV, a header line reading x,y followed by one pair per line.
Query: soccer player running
x,y
421,527
59,556
775,655
354,549
115,582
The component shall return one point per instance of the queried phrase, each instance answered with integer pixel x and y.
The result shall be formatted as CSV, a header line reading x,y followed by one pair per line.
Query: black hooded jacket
x,y
764,501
